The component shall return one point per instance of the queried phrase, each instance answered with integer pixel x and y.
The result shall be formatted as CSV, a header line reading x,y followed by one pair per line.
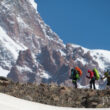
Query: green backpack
x,y
77,76
74,74
96,74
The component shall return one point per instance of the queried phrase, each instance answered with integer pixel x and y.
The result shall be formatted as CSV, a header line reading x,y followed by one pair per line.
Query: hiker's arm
x,y
103,77
88,77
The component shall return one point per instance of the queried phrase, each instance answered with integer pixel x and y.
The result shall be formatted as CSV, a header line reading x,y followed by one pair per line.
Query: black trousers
x,y
108,83
92,83
75,83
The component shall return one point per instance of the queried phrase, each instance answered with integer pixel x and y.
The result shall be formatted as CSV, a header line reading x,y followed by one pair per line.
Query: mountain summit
x,y
32,52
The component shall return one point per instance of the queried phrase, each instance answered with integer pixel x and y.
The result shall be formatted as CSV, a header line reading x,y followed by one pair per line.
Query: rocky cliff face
x,y
32,52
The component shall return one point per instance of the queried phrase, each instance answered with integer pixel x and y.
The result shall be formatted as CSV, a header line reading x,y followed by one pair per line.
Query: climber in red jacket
x,y
92,81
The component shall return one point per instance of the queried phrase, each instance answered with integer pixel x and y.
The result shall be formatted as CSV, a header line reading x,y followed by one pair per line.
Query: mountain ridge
x,y
41,56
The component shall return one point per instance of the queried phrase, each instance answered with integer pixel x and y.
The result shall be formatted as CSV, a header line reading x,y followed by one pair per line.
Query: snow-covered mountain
x,y
32,52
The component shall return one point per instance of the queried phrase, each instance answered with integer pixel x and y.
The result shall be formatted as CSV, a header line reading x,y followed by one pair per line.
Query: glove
x,y
86,76
101,78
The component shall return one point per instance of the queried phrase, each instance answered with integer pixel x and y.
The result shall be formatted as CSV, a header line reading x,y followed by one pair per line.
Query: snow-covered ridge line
x,y
96,50
34,4
102,57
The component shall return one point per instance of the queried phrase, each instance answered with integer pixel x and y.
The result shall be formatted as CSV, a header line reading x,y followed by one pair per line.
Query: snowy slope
x,y
9,50
4,72
11,103
10,44
102,57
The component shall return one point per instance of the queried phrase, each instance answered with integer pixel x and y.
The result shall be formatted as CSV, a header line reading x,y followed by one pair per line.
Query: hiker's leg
x,y
94,84
75,83
76,86
108,85
91,84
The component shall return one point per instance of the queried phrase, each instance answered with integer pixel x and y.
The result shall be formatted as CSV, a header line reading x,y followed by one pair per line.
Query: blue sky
x,y
82,22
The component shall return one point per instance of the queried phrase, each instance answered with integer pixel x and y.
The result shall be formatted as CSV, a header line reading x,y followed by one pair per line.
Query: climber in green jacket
x,y
75,75
107,75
